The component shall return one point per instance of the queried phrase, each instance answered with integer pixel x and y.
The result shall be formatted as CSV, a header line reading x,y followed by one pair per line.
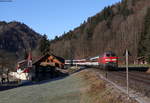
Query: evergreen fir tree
x,y
44,45
144,44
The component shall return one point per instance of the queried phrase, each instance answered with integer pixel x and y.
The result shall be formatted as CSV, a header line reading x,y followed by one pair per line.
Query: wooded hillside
x,y
115,28
16,39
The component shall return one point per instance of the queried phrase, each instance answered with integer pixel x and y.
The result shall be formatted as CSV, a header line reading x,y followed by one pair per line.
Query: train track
x,y
139,81
134,76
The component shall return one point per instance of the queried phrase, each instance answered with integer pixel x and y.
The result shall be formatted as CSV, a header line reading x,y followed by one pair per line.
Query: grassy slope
x,y
59,91
82,87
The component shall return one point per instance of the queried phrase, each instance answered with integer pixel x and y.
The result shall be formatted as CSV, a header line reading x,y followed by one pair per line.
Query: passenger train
x,y
108,60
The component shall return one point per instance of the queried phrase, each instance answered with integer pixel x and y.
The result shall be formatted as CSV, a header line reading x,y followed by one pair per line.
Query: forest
x,y
125,25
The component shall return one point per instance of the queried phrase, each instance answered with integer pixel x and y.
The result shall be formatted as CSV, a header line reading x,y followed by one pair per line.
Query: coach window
x,y
108,55
113,55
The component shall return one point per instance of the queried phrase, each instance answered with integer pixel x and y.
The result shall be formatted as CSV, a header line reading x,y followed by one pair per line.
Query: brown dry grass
x,y
96,91
73,69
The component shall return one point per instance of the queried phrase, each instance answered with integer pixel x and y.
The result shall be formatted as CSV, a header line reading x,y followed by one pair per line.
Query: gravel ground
x,y
140,89
135,85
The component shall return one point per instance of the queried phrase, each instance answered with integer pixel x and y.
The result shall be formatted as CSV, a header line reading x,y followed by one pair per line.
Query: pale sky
x,y
51,17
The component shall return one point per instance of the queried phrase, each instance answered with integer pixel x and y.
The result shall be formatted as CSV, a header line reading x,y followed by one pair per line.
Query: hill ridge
x,y
115,28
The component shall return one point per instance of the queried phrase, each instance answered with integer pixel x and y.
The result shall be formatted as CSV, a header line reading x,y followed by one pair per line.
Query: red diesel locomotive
x,y
108,60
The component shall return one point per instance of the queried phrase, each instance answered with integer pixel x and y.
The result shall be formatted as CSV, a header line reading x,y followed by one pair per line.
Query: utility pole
x,y
127,73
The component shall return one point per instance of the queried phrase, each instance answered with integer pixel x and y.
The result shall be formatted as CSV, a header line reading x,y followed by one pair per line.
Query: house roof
x,y
45,57
142,57
22,61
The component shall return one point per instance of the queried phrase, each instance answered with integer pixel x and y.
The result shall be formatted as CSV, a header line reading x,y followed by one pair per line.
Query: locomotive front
x,y
110,60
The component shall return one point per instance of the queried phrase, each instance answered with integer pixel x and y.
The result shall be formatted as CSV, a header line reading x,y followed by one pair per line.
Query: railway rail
x,y
138,81
134,76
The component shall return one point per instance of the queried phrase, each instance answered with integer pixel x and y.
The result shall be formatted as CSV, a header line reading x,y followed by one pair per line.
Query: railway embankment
x,y
138,82
99,91
80,87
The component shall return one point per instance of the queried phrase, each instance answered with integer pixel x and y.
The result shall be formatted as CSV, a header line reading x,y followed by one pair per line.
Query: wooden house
x,y
141,60
45,66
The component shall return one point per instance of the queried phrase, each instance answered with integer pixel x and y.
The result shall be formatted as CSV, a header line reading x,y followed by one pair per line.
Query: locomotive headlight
x,y
107,59
114,59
